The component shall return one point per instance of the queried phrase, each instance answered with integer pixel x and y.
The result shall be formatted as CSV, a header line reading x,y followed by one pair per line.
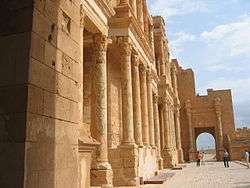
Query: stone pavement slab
x,y
210,175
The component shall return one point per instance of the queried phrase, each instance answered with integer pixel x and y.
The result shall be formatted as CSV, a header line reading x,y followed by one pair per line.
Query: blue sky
x,y
213,38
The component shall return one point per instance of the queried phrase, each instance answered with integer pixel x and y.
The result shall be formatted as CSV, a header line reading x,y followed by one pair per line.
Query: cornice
x,y
130,22
107,10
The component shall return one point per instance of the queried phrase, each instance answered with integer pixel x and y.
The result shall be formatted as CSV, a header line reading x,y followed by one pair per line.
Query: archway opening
x,y
205,143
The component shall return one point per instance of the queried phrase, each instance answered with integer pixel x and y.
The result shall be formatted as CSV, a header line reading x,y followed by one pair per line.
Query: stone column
x,y
167,152
150,108
178,135
144,105
157,132
128,149
217,105
127,101
136,99
102,168
192,153
140,13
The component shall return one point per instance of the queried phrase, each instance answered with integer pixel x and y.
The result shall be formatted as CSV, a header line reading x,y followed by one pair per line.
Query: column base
x,y
102,175
192,153
167,158
180,156
128,174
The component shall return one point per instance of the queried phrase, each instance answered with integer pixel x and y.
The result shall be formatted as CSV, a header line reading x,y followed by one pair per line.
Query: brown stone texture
x,y
90,96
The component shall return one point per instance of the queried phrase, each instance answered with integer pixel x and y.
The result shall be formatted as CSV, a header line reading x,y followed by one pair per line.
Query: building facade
x,y
90,96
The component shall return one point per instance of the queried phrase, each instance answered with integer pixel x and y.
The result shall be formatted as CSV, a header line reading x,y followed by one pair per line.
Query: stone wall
x,y
15,43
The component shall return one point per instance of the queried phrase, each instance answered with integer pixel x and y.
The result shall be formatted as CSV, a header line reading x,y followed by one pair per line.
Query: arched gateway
x,y
212,113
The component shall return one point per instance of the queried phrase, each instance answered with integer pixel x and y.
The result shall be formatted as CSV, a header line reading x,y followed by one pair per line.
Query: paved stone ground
x,y
211,175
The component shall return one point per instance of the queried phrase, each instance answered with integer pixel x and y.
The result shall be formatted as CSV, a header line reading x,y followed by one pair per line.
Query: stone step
x,y
159,179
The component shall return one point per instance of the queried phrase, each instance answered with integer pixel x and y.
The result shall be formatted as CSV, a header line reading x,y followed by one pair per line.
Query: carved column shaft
x,y
219,125
99,97
157,124
191,140
144,105
177,129
126,81
136,100
166,126
150,109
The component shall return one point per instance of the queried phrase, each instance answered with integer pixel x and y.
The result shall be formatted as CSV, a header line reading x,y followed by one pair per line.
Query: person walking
x,y
226,159
247,158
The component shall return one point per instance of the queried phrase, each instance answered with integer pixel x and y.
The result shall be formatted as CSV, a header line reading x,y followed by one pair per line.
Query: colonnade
x,y
140,105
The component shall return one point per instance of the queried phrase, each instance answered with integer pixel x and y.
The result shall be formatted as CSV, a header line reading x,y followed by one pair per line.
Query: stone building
x,y
90,96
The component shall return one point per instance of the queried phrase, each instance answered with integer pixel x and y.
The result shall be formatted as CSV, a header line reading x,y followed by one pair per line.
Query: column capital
x,y
135,59
125,46
149,74
143,69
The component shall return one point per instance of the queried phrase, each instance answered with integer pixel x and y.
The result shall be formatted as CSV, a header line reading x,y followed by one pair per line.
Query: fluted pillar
x,y
217,105
126,82
178,135
166,126
144,105
99,111
192,152
167,151
150,108
136,99
128,149
157,131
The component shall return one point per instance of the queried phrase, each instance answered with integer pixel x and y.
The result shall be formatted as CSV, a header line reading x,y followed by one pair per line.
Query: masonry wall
x,y
186,91
15,42
43,81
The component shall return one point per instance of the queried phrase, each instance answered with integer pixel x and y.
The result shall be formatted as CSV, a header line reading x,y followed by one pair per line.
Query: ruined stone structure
x,y
238,142
211,113
90,96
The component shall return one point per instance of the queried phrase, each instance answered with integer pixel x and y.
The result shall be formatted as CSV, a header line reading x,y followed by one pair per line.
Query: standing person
x,y
226,159
198,157
247,158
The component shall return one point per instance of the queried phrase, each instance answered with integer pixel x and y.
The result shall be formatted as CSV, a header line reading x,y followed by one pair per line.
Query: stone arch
x,y
207,135
209,130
